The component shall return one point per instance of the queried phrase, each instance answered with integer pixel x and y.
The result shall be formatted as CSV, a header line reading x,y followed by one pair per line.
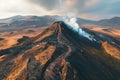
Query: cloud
x,y
89,9
47,4
65,6
113,8
20,7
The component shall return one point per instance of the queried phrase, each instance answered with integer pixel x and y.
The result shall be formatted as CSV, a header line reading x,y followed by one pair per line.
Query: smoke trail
x,y
72,23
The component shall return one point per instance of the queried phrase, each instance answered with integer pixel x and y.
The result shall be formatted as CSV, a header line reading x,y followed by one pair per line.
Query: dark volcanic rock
x,y
59,53
1,39
23,39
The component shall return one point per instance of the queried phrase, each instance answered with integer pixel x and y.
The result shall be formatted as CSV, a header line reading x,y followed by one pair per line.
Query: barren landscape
x,y
59,39
58,52
10,38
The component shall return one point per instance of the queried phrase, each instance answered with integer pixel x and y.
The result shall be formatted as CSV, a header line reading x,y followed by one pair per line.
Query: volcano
x,y
60,53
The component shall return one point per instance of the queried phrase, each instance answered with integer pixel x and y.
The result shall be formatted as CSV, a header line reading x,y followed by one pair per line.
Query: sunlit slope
x,y
59,53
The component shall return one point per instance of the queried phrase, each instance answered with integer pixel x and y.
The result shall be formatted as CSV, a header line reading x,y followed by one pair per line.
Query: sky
x,y
87,9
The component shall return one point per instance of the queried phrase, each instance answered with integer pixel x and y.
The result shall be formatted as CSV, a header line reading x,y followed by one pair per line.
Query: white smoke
x,y
72,23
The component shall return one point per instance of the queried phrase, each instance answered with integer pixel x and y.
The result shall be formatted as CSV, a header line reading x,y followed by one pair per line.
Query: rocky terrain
x,y
60,53
10,38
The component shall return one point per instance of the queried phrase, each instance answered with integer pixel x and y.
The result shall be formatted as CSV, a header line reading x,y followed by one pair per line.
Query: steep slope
x,y
60,53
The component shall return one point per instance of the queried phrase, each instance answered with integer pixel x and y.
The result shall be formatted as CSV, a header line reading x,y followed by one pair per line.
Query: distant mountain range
x,y
113,22
18,22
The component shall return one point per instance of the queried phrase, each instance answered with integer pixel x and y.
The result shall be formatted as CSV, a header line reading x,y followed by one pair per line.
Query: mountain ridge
x,y
60,53
113,22
20,22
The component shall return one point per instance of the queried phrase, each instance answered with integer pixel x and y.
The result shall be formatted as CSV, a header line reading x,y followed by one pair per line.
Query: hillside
x,y
60,53
110,23
20,22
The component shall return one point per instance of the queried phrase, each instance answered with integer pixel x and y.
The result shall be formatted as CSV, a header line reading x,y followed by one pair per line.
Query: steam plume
x,y
72,23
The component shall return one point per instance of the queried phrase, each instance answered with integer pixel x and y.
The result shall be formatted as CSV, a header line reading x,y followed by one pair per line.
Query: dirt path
x,y
59,37
53,70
